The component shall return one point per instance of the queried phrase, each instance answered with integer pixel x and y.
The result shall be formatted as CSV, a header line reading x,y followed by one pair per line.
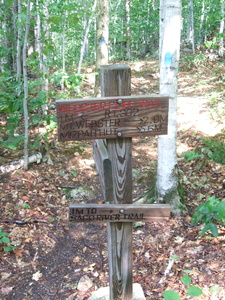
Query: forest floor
x,y
52,255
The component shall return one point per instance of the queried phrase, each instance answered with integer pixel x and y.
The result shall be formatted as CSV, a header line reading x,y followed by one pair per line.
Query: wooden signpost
x,y
116,117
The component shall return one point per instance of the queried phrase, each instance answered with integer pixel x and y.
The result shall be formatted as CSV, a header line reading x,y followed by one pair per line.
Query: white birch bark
x,y
202,20
18,44
222,24
190,26
38,35
63,57
84,42
167,173
25,85
44,57
15,165
102,39
128,30
3,41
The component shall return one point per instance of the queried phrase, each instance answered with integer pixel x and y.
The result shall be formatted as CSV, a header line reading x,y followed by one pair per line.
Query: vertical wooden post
x,y
116,81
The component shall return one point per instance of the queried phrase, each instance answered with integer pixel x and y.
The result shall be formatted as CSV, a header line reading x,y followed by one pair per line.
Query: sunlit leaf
x,y
215,288
171,295
194,291
186,279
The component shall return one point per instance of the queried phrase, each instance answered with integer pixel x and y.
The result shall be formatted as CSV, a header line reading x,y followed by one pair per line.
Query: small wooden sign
x,y
112,117
118,212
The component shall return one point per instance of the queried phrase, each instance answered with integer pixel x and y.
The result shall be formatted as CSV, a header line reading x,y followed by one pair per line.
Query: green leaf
x,y
215,288
5,240
171,295
194,291
221,210
3,234
174,257
186,279
187,271
25,205
7,249
212,227
61,174
190,155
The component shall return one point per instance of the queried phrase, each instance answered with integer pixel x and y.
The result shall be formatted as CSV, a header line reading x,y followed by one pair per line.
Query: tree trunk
x,y
167,173
102,39
202,20
190,26
63,57
38,35
221,47
25,86
128,31
84,43
18,44
44,56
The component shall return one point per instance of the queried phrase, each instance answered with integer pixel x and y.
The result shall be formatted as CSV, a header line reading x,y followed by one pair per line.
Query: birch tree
x,y
222,24
25,106
102,39
87,25
190,26
167,171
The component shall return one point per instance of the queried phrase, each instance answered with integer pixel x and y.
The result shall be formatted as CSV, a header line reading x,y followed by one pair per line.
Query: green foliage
x,y
71,81
213,148
171,295
192,291
12,142
216,148
189,62
190,155
210,214
213,43
5,241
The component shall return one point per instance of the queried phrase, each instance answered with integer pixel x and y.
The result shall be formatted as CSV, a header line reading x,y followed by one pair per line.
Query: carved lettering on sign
x,y
100,118
117,213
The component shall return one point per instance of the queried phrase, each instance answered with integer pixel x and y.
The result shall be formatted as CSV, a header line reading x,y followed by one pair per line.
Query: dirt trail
x,y
194,114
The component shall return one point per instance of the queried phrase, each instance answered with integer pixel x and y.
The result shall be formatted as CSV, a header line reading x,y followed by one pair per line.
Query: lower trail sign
x,y
116,117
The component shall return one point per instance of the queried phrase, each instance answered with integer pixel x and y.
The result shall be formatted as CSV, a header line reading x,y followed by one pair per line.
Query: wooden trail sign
x,y
112,117
117,117
118,212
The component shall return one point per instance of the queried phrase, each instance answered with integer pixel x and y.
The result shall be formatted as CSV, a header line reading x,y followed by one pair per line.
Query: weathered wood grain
x,y
115,81
112,117
104,168
118,212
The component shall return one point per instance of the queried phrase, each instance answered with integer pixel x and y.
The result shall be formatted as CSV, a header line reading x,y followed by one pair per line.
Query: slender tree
x,y
87,25
190,26
18,43
222,26
25,85
128,29
102,39
167,171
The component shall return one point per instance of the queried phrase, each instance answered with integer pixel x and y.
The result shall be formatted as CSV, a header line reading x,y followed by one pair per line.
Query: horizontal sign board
x,y
112,117
118,212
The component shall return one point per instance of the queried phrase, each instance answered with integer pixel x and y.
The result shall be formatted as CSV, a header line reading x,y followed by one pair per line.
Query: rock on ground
x,y
103,293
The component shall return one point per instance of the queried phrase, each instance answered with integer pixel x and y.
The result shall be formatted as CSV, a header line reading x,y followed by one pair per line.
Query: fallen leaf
x,y
18,252
6,290
5,275
36,276
76,259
